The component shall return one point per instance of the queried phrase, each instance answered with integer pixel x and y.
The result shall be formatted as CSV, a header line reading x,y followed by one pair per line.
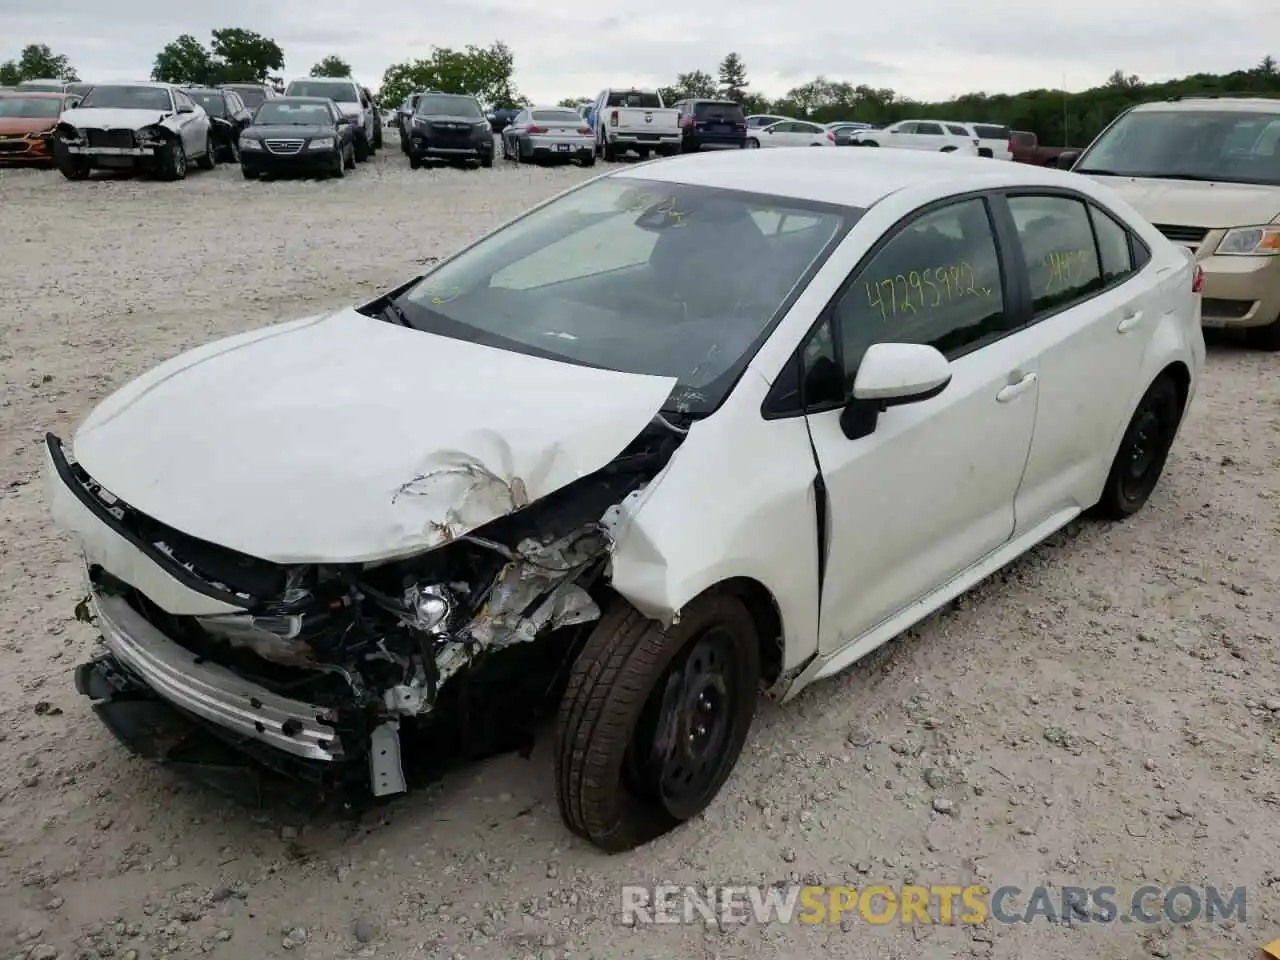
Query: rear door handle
x,y
1130,320
1015,390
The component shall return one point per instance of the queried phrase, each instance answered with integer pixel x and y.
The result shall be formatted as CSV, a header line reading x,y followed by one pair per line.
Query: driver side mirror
x,y
890,375
186,108
1066,159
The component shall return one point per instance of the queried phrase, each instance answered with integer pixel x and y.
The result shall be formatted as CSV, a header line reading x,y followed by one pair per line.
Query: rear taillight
x,y
831,135
740,126
1009,146
537,129
585,131
1197,279
688,123
613,118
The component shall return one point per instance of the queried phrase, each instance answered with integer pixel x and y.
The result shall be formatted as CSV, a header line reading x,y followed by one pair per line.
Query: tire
x,y
209,159
1264,338
753,143
610,152
588,161
644,153
947,150
70,165
608,785
349,157
404,143
247,173
173,162
415,161
339,168
233,150
1143,450
377,135
486,160
869,143
362,149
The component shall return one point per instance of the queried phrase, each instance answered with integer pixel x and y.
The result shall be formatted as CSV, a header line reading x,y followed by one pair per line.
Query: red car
x,y
26,125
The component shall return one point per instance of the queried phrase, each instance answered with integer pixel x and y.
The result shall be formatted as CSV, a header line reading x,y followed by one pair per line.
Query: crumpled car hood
x,y
104,118
346,439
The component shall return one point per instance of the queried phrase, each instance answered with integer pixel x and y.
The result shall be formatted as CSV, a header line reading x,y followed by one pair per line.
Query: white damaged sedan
x,y
695,431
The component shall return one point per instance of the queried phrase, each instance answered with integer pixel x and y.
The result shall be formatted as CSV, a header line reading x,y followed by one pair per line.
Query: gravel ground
x,y
1103,712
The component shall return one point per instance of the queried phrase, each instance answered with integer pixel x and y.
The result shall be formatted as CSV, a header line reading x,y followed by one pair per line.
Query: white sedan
x,y
686,434
791,133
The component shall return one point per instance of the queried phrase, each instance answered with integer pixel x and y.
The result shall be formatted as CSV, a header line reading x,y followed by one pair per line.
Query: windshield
x,y
284,112
341,92
128,98
634,98
1229,146
213,103
32,107
252,96
637,276
449,105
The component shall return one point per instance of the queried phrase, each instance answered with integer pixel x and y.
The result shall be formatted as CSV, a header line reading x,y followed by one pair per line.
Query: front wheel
x,y
653,720
1144,448
415,161
362,150
339,166
1264,338
349,157
868,143
71,165
486,160
173,161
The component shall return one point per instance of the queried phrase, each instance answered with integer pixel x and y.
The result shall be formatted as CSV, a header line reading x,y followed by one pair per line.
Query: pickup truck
x,y
631,119
1027,149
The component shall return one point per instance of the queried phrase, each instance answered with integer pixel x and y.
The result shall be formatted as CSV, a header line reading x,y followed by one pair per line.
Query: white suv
x,y
944,137
353,100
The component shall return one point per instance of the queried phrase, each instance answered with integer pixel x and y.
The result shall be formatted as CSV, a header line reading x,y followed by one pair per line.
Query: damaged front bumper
x,y
320,675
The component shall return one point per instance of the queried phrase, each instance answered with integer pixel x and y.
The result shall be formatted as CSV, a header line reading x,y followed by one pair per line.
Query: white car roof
x,y
855,178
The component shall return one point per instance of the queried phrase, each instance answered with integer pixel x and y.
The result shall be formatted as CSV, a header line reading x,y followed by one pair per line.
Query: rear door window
x,y
958,130
1058,247
929,129
987,131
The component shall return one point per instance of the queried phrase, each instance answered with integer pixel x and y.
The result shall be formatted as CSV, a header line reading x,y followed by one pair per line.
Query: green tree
x,y
1267,66
184,60
486,73
331,66
572,102
37,62
244,55
733,78
234,54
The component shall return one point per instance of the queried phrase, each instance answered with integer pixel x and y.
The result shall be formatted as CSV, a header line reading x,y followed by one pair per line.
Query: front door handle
x,y
1015,390
1130,320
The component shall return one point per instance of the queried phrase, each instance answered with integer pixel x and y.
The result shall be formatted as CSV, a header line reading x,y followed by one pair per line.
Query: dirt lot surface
x,y
1104,712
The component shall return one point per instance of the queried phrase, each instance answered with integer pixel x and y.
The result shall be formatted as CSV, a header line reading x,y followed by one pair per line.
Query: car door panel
x,y
931,490
1101,332
929,493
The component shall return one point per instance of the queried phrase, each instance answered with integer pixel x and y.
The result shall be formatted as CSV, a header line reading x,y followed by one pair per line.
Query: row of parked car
x,y
317,126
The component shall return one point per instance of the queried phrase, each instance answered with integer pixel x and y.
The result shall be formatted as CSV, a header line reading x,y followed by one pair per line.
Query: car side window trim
x,y
1014,289
1139,252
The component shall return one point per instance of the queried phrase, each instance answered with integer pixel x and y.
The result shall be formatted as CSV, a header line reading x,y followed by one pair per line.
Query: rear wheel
x,y
209,159
753,143
362,149
869,143
415,161
653,720
1144,448
610,152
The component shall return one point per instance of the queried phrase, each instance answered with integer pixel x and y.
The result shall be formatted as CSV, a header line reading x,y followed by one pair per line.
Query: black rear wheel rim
x,y
1146,445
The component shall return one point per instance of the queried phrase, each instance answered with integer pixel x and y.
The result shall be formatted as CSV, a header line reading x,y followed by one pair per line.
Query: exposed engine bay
x,y
376,645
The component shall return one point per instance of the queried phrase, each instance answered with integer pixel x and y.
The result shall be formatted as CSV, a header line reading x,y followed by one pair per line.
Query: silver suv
x,y
353,100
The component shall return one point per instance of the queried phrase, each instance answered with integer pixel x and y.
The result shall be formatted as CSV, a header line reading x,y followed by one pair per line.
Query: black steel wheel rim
x,y
680,748
1147,440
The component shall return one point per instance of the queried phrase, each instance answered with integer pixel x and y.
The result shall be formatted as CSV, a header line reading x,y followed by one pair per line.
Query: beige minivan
x,y
1206,173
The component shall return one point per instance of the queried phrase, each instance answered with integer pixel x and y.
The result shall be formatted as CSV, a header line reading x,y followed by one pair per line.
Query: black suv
x,y
252,93
449,126
711,123
228,117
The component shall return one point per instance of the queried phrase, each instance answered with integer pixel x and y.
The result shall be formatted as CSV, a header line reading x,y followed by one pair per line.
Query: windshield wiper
x,y
396,313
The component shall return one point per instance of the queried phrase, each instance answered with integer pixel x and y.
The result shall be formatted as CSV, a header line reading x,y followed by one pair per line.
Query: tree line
x,y
1057,117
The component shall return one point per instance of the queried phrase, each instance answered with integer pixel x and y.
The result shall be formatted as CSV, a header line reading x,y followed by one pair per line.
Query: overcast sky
x,y
927,49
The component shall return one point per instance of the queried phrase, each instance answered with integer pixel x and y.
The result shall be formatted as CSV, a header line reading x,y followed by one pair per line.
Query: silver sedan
x,y
549,133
